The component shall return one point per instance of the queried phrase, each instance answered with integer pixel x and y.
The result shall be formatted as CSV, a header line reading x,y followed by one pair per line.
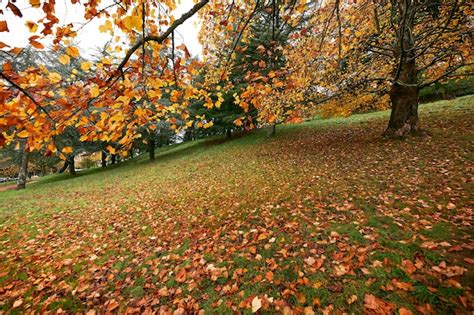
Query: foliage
x,y
340,232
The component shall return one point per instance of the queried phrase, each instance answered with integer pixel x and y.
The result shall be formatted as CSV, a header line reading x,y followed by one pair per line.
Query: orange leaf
x,y
4,26
404,311
67,150
181,276
23,134
36,44
269,276
111,149
377,305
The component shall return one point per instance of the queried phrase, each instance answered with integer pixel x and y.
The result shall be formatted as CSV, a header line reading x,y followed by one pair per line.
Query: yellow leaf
x,y
106,27
72,51
111,149
67,150
32,26
35,3
133,22
23,134
85,66
238,122
64,59
54,77
94,91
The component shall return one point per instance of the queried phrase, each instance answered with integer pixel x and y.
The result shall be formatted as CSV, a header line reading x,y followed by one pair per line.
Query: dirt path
x,y
13,186
7,187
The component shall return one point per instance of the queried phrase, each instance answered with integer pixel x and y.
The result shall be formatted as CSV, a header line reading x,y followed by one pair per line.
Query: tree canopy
x,y
278,60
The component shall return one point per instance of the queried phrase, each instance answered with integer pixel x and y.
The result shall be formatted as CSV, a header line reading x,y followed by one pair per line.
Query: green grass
x,y
206,221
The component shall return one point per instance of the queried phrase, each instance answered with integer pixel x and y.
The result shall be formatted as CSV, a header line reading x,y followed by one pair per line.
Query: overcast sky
x,y
89,37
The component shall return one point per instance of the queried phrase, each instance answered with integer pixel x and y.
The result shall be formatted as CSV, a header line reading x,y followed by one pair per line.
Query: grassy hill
x,y
327,215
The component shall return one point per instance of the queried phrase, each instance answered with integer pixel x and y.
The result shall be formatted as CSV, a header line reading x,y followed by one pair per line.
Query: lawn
x,y
325,217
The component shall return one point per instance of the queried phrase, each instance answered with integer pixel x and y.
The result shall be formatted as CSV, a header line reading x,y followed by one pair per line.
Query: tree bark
x,y
151,148
404,115
72,165
113,159
64,167
103,157
404,91
228,133
271,130
21,184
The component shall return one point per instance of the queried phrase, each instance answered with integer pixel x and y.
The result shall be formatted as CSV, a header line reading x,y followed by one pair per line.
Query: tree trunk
x,y
23,166
103,157
151,148
404,90
271,130
404,115
72,166
113,159
228,133
64,167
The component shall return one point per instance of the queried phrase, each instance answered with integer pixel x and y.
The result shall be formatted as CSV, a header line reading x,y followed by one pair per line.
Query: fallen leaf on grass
x,y
256,304
17,303
404,311
375,305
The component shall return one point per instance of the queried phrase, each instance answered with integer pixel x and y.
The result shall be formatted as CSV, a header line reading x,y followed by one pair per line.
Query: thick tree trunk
x,y
103,157
404,115
271,130
21,184
72,166
404,91
151,148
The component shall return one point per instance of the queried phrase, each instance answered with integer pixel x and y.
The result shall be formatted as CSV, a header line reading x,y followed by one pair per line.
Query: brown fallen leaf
x,y
374,305
470,261
404,311
111,305
181,276
405,286
269,276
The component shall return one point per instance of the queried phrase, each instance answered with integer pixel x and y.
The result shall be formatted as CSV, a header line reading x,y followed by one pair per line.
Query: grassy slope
x,y
212,224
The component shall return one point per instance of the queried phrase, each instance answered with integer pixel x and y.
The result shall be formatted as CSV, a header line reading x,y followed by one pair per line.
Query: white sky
x,y
89,37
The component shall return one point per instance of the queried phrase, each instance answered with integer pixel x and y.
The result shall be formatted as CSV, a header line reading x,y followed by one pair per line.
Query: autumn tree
x,y
119,94
248,48
359,52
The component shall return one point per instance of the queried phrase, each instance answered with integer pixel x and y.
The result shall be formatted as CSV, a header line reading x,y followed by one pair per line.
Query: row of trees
x,y
264,62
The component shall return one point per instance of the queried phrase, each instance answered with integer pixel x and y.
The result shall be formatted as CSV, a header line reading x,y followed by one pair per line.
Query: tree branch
x,y
444,75
162,37
27,94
